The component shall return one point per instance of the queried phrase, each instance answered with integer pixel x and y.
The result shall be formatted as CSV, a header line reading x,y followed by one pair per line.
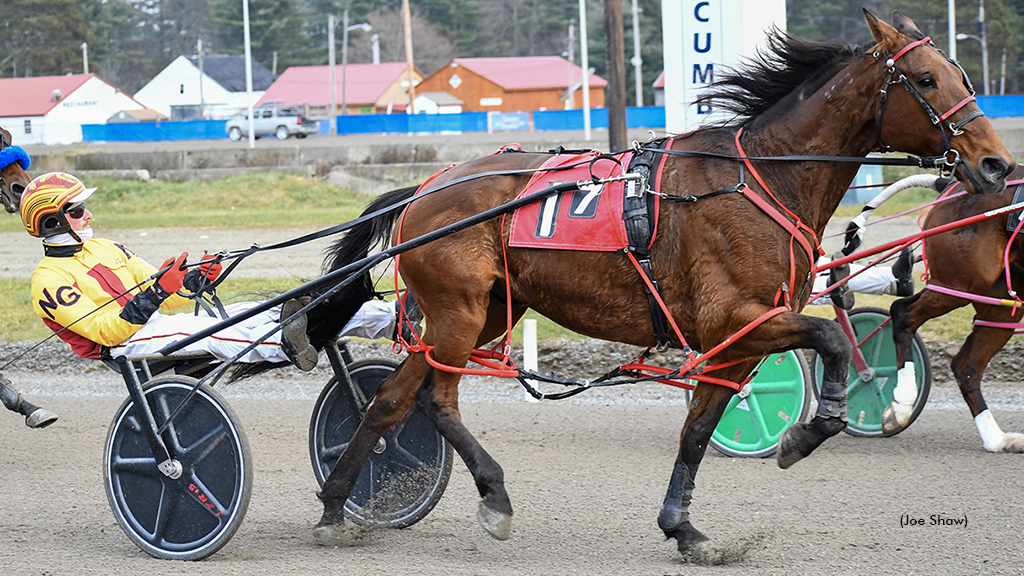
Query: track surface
x,y
586,477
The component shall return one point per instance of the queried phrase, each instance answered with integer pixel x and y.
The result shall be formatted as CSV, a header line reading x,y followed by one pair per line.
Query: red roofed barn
x,y
52,109
514,84
369,88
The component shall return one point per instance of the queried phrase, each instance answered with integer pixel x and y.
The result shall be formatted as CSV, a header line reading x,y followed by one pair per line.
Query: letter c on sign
x,y
696,11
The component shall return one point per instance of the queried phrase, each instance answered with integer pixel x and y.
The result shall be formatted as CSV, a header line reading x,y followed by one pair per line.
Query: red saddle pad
x,y
589,218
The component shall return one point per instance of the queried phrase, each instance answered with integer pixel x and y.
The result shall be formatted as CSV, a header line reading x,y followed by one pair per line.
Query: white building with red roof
x,y
364,88
515,84
52,109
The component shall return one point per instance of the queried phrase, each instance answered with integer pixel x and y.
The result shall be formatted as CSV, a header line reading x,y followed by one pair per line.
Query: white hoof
x,y
1012,442
896,417
497,524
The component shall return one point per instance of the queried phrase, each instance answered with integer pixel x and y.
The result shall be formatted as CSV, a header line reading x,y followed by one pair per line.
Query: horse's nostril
x,y
17,189
995,168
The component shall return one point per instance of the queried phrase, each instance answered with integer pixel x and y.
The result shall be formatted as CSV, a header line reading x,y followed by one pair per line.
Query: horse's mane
x,y
786,64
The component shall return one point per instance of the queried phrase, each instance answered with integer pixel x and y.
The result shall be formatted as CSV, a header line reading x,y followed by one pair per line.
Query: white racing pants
x,y
375,319
874,280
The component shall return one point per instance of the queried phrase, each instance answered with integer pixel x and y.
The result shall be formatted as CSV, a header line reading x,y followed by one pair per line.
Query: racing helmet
x,y
45,199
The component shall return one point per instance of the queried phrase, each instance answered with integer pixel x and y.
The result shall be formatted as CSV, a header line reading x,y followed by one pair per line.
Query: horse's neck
x,y
836,120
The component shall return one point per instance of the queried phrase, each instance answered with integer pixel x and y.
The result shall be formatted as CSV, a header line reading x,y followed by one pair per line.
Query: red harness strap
x,y
794,227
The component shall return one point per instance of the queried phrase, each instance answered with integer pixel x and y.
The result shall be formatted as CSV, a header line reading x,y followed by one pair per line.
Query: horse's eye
x,y
926,82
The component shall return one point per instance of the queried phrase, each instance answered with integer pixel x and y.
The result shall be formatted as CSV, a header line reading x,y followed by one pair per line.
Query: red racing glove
x,y
174,278
209,268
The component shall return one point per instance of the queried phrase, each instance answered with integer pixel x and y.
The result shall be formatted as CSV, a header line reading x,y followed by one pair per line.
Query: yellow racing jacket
x,y
86,289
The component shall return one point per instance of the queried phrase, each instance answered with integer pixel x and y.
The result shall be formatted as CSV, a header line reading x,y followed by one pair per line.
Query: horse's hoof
x,y
895,418
1012,442
497,524
40,418
336,535
800,439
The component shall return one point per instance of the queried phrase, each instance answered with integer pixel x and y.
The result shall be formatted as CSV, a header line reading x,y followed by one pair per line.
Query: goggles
x,y
75,211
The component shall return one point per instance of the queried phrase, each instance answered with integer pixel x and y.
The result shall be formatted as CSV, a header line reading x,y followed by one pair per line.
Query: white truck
x,y
280,121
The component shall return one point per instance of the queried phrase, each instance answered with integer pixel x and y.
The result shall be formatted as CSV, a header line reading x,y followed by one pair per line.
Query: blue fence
x,y
1002,106
154,131
645,117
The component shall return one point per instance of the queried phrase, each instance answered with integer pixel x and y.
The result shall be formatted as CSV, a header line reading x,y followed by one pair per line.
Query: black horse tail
x,y
327,319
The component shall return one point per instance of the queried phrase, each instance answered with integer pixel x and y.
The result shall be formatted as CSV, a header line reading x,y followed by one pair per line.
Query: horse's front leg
x,y
835,350
706,408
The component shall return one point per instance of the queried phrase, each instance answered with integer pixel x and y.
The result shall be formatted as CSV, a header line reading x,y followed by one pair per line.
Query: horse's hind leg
x,y
439,401
393,399
707,405
969,368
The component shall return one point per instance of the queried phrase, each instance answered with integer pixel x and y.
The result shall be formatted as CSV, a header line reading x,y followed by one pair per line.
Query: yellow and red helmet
x,y
45,199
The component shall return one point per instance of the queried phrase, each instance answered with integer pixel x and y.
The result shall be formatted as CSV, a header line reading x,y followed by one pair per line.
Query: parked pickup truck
x,y
271,120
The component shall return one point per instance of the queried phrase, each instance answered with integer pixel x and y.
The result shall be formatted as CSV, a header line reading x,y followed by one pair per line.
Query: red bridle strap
x,y
962,103
911,46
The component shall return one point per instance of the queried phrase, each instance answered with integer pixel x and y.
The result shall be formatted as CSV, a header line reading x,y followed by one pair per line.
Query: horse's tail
x,y
327,319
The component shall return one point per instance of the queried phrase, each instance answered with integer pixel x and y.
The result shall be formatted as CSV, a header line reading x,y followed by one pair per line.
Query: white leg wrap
x,y
991,434
906,385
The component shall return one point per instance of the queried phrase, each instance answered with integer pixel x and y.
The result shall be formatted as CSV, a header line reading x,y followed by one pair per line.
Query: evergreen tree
x,y
41,37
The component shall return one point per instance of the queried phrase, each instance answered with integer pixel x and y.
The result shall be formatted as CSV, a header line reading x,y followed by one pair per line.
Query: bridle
x,y
951,157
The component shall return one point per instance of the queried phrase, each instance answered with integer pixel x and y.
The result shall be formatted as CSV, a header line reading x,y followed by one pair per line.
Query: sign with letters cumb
x,y
701,37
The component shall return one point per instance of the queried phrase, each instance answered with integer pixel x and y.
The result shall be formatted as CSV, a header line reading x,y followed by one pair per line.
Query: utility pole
x,y
951,8
637,58
332,112
585,65
85,57
570,101
615,95
247,38
984,44
408,55
199,58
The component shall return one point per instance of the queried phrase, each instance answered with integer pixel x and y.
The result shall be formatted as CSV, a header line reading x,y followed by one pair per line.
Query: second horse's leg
x,y
969,367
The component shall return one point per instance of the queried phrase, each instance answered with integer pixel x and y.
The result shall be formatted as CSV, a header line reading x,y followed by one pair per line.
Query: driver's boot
x,y
35,417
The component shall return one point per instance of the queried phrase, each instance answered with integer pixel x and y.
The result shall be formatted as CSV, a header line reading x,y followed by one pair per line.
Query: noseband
x,y
951,157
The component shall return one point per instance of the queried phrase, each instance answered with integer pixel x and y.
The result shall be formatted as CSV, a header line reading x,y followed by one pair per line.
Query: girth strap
x,y
637,214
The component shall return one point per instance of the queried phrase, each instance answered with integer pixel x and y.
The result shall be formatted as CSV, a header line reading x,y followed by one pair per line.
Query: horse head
x,y
13,179
934,114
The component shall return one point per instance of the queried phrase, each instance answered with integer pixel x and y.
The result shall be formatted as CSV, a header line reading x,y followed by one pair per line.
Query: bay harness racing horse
x,y
734,251
979,264
13,181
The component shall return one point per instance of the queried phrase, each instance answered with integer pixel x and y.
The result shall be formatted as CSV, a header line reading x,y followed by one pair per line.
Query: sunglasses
x,y
76,211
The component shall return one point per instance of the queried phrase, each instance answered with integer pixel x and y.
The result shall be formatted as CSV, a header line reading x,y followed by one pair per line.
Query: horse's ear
x,y
880,30
905,25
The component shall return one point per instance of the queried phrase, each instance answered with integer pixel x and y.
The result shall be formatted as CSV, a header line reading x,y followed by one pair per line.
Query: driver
x,y
99,296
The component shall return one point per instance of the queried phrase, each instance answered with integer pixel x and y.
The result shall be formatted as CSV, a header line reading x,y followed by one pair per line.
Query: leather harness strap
x,y
638,213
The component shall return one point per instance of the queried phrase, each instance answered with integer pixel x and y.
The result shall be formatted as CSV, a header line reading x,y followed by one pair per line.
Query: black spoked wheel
x,y
408,471
194,515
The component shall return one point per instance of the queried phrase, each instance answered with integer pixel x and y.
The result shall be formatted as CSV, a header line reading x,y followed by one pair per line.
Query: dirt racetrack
x,y
586,477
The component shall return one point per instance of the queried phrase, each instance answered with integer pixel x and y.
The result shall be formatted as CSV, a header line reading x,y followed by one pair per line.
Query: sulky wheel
x,y
408,470
776,398
869,394
193,516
